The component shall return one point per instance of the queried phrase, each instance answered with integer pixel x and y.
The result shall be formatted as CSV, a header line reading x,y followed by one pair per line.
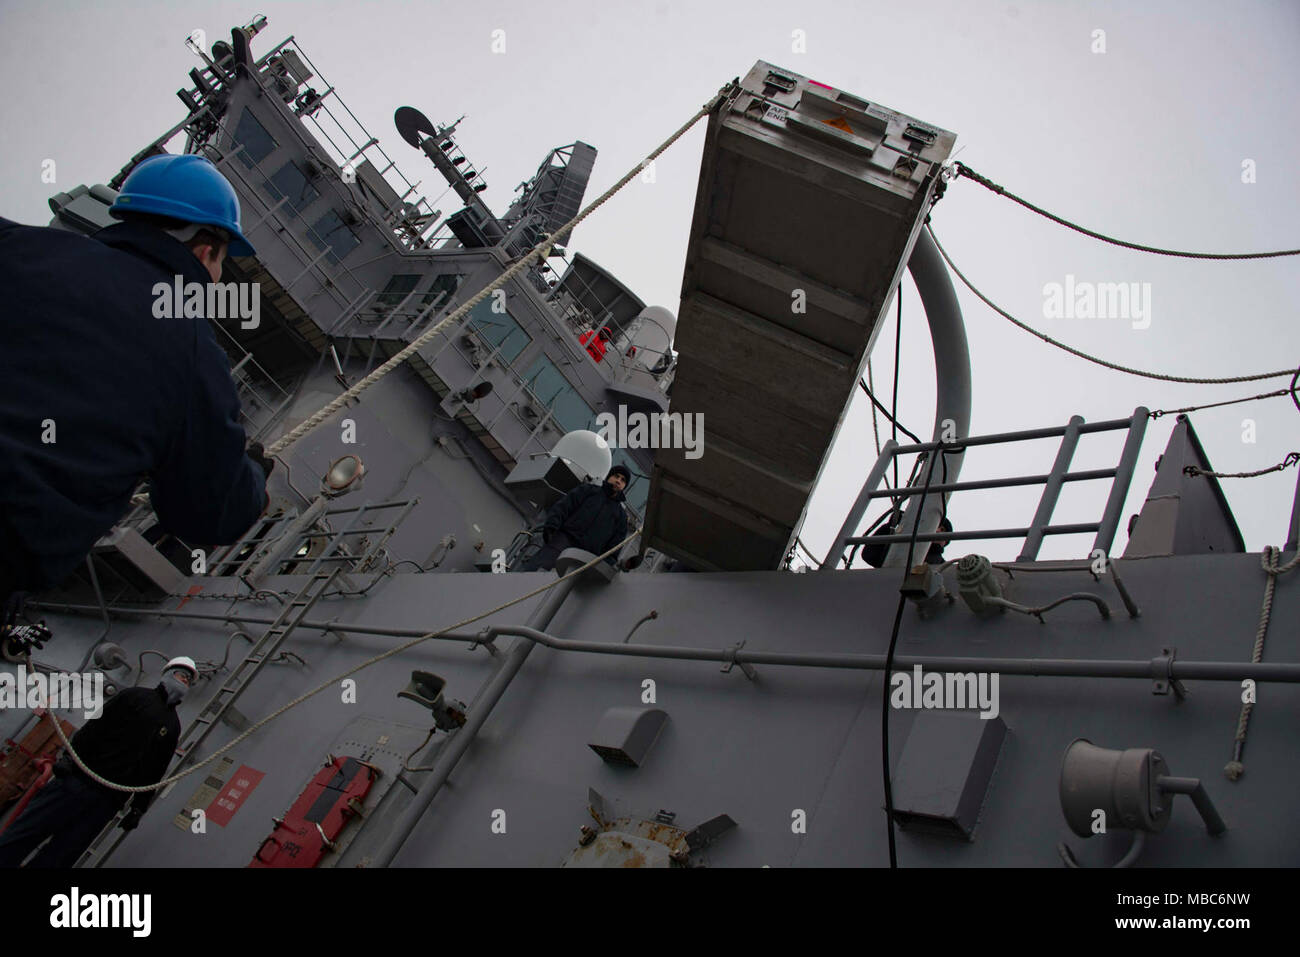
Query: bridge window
x,y
289,180
252,135
498,329
397,289
569,410
446,283
331,233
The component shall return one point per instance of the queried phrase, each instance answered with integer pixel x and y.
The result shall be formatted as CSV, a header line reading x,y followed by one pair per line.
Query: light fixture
x,y
425,689
1104,789
977,585
474,393
345,475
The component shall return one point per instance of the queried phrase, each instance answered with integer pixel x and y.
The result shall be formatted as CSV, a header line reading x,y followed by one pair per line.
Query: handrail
x,y
1121,475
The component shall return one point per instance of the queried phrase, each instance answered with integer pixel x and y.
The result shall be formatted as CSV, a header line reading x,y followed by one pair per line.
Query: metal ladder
x,y
291,615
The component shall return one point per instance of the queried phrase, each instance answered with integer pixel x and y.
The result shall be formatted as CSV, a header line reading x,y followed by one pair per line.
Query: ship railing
x,y
359,555
361,143
1052,483
310,259
251,396
275,208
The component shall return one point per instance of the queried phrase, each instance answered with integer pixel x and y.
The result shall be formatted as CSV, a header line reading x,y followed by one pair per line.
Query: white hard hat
x,y
183,661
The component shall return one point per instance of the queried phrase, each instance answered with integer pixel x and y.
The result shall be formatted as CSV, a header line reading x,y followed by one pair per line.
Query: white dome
x,y
653,337
587,453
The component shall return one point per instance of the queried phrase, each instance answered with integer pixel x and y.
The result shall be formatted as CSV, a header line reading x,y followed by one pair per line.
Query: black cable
x,y
853,552
889,664
1294,378
1214,405
885,412
807,551
361,591
1291,459
487,477
943,496
898,345
1083,355
963,170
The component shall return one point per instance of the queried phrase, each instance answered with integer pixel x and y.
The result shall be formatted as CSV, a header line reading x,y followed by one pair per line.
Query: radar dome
x,y
587,453
652,334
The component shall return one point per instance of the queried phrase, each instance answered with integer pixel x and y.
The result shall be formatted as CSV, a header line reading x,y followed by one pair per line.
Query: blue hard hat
x,y
187,188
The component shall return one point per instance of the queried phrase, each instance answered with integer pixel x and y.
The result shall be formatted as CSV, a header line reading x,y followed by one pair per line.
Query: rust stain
x,y
665,834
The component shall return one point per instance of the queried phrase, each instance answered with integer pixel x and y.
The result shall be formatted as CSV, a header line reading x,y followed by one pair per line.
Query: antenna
x,y
411,123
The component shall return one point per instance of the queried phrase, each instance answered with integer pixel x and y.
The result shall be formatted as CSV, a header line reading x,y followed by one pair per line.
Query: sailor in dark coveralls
x,y
131,743
590,517
97,392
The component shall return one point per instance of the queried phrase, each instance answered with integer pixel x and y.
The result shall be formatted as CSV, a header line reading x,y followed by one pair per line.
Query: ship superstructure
x,y
708,705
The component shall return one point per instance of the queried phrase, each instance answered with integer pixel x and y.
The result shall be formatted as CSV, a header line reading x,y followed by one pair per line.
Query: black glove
x,y
21,640
132,819
257,453
547,534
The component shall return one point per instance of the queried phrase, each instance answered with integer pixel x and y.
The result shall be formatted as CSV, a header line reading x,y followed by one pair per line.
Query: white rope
x,y
538,252
333,682
1234,769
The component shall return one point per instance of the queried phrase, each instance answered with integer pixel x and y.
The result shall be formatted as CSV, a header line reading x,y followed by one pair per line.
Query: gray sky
x,y
1145,141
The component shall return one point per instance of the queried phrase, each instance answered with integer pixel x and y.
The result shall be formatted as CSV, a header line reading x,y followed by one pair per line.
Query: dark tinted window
x,y
330,232
498,329
397,289
569,409
289,180
252,135
447,283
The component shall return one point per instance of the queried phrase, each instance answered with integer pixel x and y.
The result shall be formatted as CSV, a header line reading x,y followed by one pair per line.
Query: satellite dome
x,y
653,331
586,452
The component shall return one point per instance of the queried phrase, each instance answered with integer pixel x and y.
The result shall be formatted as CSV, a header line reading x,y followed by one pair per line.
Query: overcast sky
x,y
1145,141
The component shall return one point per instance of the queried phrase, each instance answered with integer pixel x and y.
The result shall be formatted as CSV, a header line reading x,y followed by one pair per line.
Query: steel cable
x,y
961,169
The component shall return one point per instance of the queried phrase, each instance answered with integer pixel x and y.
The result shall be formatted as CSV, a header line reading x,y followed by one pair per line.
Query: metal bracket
x,y
1164,666
704,834
325,840
732,661
484,639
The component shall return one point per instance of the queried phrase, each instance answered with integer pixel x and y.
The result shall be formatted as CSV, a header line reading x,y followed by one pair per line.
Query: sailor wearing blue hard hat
x,y
190,192
84,350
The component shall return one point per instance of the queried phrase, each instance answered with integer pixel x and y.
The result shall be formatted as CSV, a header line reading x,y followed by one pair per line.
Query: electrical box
x,y
944,772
